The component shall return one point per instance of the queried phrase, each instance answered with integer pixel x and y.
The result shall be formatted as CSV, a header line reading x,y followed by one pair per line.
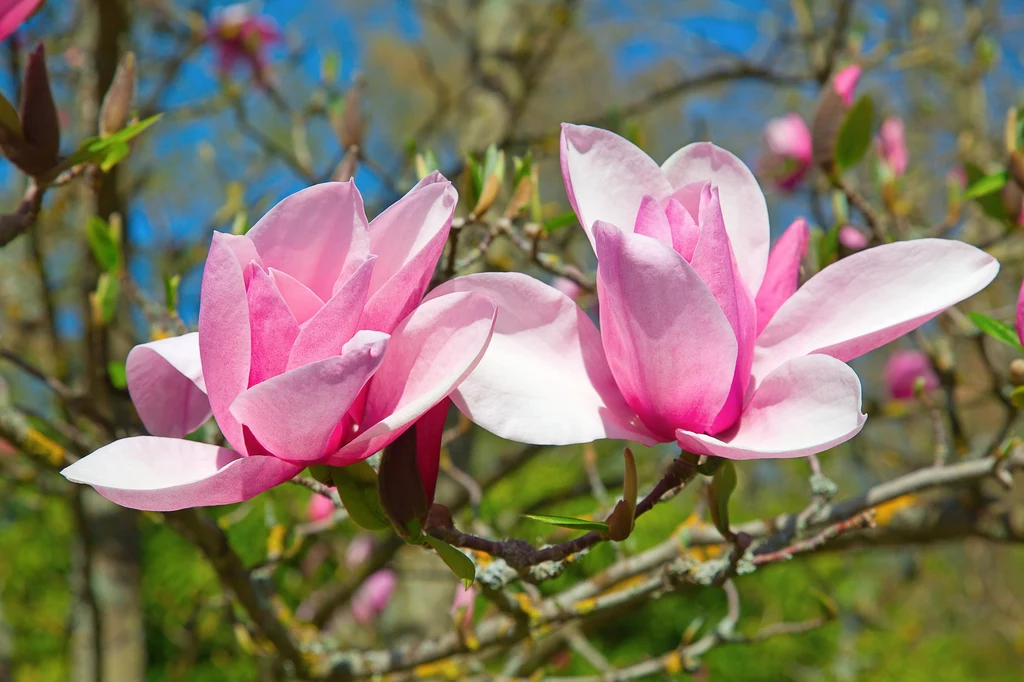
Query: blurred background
x,y
323,89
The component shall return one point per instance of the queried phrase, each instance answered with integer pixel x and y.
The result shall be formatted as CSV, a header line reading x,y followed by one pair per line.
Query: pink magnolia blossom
x,y
685,281
852,238
787,150
902,371
374,595
313,347
239,36
13,14
320,507
845,83
892,145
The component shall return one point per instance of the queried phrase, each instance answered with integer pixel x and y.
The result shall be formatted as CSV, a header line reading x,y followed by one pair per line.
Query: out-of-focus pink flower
x,y
373,596
462,605
683,254
239,36
852,238
903,370
13,14
359,550
845,83
892,145
320,507
567,287
313,347
787,150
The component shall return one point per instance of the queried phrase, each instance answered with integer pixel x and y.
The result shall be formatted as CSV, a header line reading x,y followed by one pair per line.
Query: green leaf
x,y
1017,397
108,289
104,243
522,167
114,155
986,185
462,566
560,221
828,247
569,522
855,133
722,486
125,134
171,285
357,488
997,329
991,204
118,375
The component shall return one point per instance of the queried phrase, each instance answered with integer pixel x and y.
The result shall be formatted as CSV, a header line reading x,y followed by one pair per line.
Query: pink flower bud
x,y
320,507
787,150
373,595
359,550
892,146
462,605
852,238
845,82
903,370
567,287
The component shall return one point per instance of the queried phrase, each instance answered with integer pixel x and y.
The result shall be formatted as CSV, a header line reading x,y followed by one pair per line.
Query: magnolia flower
x,y
903,370
892,146
705,338
313,347
788,154
852,238
13,14
239,36
373,595
320,507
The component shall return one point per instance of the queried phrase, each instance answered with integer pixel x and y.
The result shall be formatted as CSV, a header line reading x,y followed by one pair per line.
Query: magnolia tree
x,y
654,347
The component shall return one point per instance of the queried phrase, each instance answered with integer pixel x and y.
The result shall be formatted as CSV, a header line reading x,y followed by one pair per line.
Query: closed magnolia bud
x,y
400,486
117,103
835,99
1013,201
350,125
41,126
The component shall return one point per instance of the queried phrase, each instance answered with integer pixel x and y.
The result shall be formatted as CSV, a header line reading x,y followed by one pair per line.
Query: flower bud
x,y
835,99
320,507
400,487
117,102
374,595
787,151
1017,372
40,123
905,369
892,146
358,551
852,238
